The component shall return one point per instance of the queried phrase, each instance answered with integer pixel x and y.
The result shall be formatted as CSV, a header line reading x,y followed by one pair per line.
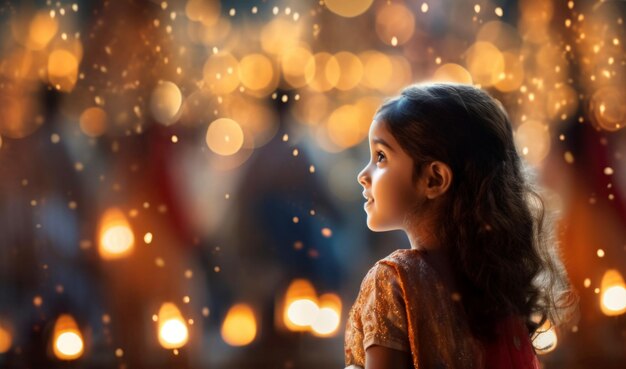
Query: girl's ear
x,y
438,179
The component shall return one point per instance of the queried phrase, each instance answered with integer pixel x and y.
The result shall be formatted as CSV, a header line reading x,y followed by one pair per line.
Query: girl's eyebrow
x,y
383,142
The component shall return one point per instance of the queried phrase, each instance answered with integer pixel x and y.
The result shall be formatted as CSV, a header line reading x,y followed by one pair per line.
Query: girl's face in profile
x,y
387,182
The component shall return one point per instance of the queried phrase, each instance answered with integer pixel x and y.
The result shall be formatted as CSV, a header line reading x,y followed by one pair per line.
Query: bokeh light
x,y
6,338
485,63
327,320
67,339
240,325
395,24
172,331
224,136
533,141
165,102
613,293
42,28
221,73
93,121
206,152
348,8
256,71
116,236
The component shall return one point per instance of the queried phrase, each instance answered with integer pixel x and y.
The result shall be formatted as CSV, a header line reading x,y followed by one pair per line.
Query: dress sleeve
x,y
383,312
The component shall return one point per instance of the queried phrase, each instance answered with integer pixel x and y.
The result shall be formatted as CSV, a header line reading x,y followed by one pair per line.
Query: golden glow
x,y
42,29
513,74
240,326
395,24
257,120
350,70
562,101
607,108
300,305
533,141
165,102
545,338
502,35
173,331
348,8
326,322
93,121
485,63
209,34
343,128
377,69
535,16
348,125
302,312
17,118
613,293
116,237
206,12
452,72
67,339
62,69
224,137
255,71
6,339
401,75
221,73
313,109
298,66
326,72
280,35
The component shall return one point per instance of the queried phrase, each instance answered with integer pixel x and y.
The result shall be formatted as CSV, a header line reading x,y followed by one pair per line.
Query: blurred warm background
x,y
178,178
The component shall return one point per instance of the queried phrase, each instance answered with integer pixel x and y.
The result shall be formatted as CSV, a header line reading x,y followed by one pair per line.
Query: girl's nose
x,y
362,177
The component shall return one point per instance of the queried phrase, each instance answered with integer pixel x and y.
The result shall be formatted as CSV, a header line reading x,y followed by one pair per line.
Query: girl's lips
x,y
368,203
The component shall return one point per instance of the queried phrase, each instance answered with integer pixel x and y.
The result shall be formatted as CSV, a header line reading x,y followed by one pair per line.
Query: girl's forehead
x,y
378,128
379,134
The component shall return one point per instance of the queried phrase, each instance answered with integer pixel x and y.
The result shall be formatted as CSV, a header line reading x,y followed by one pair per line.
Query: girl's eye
x,y
379,156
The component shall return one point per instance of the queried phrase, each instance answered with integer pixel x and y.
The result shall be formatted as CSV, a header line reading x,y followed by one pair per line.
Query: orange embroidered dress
x,y
406,304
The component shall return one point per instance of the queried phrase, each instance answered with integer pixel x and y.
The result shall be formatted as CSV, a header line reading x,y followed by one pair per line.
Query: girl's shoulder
x,y
405,258
394,266
418,268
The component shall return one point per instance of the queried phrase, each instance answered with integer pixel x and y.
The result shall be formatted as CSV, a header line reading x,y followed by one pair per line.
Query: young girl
x,y
482,274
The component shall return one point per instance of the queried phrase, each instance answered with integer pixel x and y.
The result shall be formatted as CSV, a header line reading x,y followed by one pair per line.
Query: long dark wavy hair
x,y
493,217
